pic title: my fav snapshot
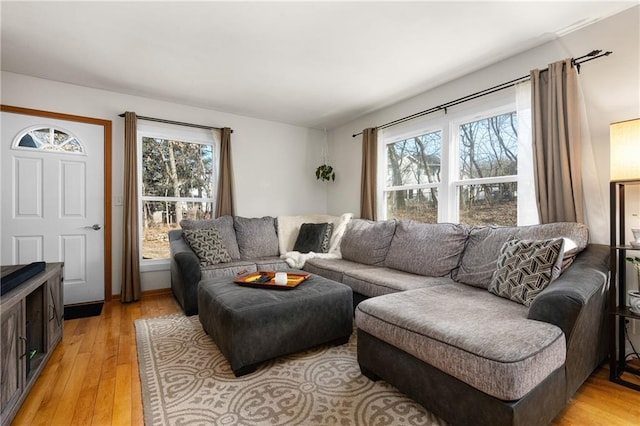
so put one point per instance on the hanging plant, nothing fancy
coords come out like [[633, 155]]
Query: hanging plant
[[325, 172]]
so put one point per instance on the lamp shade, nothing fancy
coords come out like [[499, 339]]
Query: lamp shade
[[625, 149]]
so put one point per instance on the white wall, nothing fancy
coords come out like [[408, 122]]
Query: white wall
[[611, 88], [274, 163]]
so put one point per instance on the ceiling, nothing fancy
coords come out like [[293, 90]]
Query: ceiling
[[312, 64]]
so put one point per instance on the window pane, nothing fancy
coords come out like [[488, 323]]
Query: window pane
[[494, 204], [489, 147], [176, 169], [159, 217], [417, 204], [50, 139], [415, 160]]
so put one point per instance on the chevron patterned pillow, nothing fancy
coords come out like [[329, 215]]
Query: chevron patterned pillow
[[207, 245], [525, 268]]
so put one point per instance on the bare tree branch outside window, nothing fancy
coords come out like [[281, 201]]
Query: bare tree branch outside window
[[173, 170]]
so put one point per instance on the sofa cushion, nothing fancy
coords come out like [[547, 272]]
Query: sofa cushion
[[289, 228], [366, 241], [224, 225], [313, 237], [373, 281], [331, 268], [430, 249], [525, 268], [207, 245], [478, 262], [256, 236], [479, 338]]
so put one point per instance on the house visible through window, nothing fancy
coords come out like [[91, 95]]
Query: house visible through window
[[178, 173], [413, 177], [460, 168]]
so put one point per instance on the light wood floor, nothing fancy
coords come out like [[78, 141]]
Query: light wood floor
[[92, 377]]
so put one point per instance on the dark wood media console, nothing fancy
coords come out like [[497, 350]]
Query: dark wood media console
[[31, 326]]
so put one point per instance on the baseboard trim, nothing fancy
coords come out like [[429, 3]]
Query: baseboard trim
[[148, 293]]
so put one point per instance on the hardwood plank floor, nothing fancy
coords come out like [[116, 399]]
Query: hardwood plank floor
[[92, 377]]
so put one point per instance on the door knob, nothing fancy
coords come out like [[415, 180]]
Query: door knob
[[95, 227]]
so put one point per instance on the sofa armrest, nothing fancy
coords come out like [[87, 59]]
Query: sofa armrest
[[562, 302], [185, 272]]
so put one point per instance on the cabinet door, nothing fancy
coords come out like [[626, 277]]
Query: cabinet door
[[11, 367], [55, 306]]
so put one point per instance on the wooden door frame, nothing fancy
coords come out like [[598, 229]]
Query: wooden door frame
[[107, 126]]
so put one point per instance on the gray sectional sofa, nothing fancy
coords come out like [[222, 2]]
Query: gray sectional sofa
[[428, 324]]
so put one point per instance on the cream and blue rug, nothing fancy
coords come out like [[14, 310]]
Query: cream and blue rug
[[186, 380]]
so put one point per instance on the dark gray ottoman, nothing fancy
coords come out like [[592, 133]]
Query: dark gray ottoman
[[252, 325]]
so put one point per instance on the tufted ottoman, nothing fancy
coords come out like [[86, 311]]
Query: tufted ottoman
[[252, 325]]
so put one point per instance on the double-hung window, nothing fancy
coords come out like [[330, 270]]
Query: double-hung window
[[177, 180], [485, 170], [460, 167]]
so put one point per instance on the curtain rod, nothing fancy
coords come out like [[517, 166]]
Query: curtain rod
[[177, 123], [594, 54]]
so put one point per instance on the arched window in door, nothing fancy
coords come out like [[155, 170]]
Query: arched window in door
[[48, 139]]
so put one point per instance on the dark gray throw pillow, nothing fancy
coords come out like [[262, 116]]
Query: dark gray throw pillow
[[311, 237]]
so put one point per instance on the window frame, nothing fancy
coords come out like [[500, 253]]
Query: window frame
[[448, 123], [182, 134]]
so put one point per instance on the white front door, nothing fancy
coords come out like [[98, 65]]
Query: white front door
[[53, 199]]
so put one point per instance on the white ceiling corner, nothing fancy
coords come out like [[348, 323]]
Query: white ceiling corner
[[312, 64]]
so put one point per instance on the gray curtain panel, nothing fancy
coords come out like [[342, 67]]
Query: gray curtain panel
[[368, 180], [130, 290], [224, 202], [557, 140]]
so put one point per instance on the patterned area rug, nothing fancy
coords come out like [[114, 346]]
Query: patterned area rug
[[187, 380]]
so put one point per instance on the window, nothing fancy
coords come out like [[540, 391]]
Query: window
[[48, 139], [461, 167], [177, 181], [413, 177], [488, 170]]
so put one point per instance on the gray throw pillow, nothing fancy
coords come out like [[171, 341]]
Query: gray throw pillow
[[311, 238], [256, 237], [207, 245], [525, 268], [224, 226]]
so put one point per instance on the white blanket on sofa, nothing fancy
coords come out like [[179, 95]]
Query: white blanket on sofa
[[289, 226]]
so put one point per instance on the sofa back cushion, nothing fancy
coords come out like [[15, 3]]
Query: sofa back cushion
[[483, 247], [430, 249], [224, 226], [366, 241], [256, 237]]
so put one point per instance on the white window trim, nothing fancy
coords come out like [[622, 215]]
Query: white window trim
[[186, 134], [495, 104]]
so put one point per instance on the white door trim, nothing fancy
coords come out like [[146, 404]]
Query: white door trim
[[106, 124]]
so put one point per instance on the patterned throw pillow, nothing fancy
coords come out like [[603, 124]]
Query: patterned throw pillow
[[207, 245], [327, 238], [525, 268], [312, 237]]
